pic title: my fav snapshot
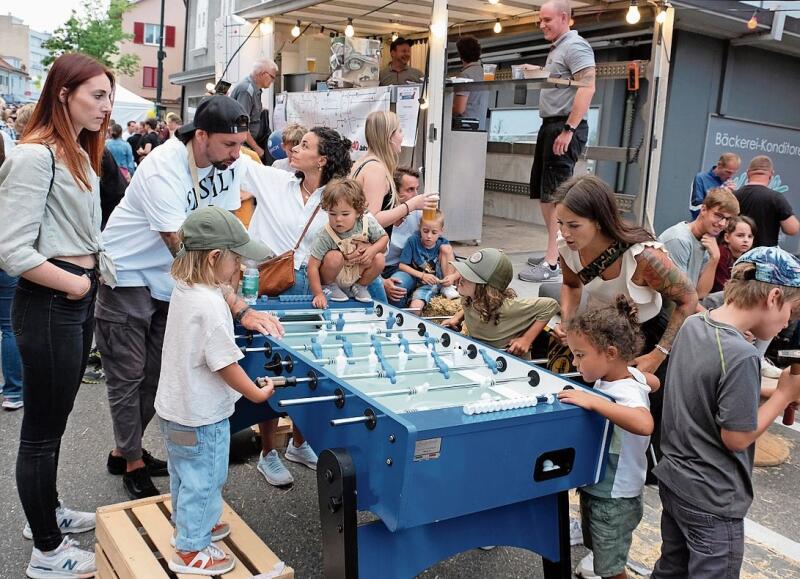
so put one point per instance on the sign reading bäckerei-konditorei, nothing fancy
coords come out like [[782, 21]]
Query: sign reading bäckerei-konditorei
[[748, 140]]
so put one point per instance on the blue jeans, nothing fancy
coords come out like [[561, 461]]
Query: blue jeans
[[405, 280], [197, 458], [302, 287], [12, 365]]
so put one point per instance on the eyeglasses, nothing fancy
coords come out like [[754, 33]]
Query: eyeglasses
[[719, 217]]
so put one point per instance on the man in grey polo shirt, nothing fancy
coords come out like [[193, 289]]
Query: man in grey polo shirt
[[471, 104], [399, 71], [248, 93], [563, 134]]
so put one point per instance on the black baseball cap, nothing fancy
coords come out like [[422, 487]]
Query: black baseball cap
[[218, 114]]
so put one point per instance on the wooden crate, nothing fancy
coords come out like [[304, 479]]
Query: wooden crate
[[283, 434], [133, 543]]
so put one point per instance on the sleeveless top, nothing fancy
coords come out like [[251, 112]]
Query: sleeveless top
[[602, 292], [386, 203]]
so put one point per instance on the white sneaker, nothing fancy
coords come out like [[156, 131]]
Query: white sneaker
[[303, 454], [769, 370], [209, 561], [585, 568], [69, 521], [334, 293], [450, 292], [67, 561], [12, 404], [360, 293]]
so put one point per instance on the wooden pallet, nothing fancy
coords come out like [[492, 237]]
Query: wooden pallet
[[133, 543]]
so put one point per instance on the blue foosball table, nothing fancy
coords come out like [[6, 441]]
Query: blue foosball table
[[429, 443]]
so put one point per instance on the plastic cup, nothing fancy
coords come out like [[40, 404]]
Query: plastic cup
[[429, 213], [311, 64], [516, 72], [489, 71]]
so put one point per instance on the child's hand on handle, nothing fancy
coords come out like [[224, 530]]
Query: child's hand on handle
[[519, 346], [266, 388], [319, 301], [578, 397], [429, 279], [453, 322], [789, 388]]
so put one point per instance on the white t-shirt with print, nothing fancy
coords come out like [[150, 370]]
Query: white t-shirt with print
[[158, 199], [197, 343], [627, 459]]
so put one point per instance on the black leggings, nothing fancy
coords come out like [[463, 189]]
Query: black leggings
[[54, 335]]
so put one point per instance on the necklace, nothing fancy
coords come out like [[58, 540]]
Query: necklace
[[306, 193]]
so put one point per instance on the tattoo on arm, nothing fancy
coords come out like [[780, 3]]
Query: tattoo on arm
[[587, 76], [172, 240], [658, 272]]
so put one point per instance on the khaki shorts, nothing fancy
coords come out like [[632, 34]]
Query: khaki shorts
[[608, 526]]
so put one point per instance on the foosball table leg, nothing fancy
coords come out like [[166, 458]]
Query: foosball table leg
[[336, 487], [562, 569]]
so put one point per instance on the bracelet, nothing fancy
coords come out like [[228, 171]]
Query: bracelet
[[408, 211], [662, 349], [240, 314]]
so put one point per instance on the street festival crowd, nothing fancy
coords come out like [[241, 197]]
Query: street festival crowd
[[126, 245]]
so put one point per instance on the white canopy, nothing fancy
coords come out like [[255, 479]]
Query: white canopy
[[129, 106]]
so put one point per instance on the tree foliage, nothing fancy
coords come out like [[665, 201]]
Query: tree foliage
[[96, 31]]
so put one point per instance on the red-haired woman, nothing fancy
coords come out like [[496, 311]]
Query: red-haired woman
[[49, 184]]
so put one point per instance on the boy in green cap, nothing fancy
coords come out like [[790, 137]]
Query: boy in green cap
[[200, 382], [492, 312]]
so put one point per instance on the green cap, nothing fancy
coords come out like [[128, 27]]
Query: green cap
[[488, 266], [216, 228]]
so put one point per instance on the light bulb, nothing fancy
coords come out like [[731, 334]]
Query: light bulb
[[439, 30], [210, 86], [752, 24], [395, 36], [267, 27], [423, 104], [633, 16], [296, 30], [498, 28], [493, 2], [662, 16], [349, 31]]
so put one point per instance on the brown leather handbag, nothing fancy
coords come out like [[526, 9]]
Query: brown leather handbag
[[276, 275]]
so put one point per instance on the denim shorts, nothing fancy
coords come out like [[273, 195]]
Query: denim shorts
[[608, 526], [426, 292]]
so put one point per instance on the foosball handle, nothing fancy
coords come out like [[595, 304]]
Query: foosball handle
[[788, 414]]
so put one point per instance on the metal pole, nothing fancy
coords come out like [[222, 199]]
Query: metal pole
[[160, 71]]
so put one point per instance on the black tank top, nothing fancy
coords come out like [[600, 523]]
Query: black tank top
[[386, 204]]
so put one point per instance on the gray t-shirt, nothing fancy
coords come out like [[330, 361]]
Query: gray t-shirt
[[477, 100], [569, 55], [685, 250], [325, 243], [388, 76], [249, 96], [713, 382]]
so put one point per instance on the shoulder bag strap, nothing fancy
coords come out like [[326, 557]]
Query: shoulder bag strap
[[53, 168], [305, 230], [603, 261]]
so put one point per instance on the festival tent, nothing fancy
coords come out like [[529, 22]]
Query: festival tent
[[130, 107]]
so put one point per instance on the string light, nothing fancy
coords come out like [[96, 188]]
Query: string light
[[266, 25], [349, 31], [494, 2], [752, 24], [661, 18], [439, 29], [498, 28], [633, 16], [395, 36], [296, 30]]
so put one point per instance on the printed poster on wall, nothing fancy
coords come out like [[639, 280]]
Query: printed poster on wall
[[345, 110], [748, 140], [407, 109]]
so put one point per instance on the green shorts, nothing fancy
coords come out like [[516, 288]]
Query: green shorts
[[608, 526]]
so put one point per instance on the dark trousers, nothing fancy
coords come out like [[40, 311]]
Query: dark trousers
[[550, 170], [130, 335], [53, 335], [697, 544]]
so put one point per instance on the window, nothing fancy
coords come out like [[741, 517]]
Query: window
[[151, 34], [520, 125], [201, 24], [149, 74]]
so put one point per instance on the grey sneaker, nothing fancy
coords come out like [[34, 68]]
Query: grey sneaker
[[69, 521], [532, 261], [274, 470], [541, 273], [335, 293], [360, 293], [303, 454]]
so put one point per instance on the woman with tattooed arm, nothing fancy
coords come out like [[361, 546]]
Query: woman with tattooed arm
[[605, 256]]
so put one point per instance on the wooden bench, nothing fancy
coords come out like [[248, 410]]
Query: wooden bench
[[133, 543]]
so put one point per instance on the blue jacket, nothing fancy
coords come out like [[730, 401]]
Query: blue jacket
[[702, 184], [122, 153]]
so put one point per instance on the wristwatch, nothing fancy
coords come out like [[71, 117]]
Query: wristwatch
[[569, 128], [240, 314]]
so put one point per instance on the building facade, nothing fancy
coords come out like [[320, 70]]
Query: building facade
[[37, 70], [13, 81], [142, 21]]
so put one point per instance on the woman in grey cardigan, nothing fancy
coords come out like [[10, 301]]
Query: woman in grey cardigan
[[49, 183]]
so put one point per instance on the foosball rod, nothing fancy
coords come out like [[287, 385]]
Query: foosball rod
[[377, 332], [318, 312], [411, 371]]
